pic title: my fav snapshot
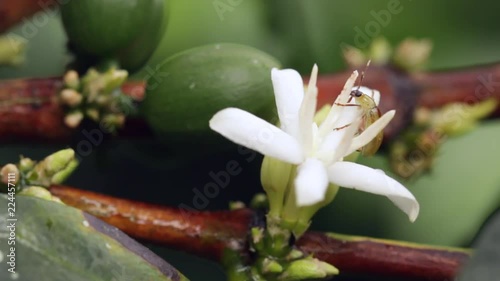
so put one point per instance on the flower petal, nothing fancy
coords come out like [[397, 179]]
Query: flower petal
[[371, 132], [347, 116], [336, 143], [345, 94], [289, 93], [355, 176], [311, 182], [307, 111], [329, 123], [249, 130]]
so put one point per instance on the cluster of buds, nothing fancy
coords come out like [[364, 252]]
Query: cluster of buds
[[291, 264], [54, 169], [278, 260], [414, 151], [97, 96], [410, 55]]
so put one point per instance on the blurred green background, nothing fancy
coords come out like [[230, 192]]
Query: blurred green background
[[462, 190]]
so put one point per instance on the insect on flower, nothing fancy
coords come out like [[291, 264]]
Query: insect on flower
[[365, 99], [311, 155]]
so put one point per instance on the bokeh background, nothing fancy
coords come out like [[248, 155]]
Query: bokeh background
[[456, 197]]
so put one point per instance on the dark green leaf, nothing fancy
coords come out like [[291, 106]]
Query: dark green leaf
[[56, 242], [485, 264]]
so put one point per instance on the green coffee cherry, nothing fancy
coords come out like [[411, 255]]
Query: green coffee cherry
[[128, 31], [187, 89]]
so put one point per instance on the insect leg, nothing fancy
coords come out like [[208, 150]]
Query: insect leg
[[346, 104], [342, 127]]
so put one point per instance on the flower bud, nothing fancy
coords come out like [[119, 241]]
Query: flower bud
[[71, 80], [58, 161], [93, 114], [353, 56], [71, 97], [54, 169], [308, 268], [270, 266], [114, 121], [7, 172], [113, 79], [380, 51], [73, 119], [412, 53], [26, 164]]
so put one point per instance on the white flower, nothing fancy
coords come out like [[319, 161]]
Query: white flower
[[318, 151]]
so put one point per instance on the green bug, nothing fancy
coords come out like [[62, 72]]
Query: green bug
[[365, 99], [371, 113]]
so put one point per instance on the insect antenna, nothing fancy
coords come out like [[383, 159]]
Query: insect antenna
[[357, 93], [362, 77]]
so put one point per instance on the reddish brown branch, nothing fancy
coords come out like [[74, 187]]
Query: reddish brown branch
[[30, 110], [202, 233], [398, 92], [209, 233], [385, 258], [403, 93], [434, 89], [467, 85]]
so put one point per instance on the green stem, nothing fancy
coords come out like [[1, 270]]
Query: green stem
[[277, 238], [235, 269], [107, 64], [306, 213], [275, 176], [290, 213]]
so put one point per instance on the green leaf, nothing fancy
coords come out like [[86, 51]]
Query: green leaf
[[55, 242], [455, 197], [192, 24], [486, 260]]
